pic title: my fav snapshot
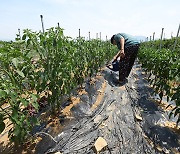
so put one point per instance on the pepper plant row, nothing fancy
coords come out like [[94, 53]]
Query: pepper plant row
[[41, 68], [164, 69]]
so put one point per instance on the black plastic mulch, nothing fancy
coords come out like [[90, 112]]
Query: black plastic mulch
[[115, 119]]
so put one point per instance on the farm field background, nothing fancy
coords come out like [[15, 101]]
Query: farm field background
[[40, 70]]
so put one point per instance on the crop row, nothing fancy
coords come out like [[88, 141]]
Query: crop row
[[39, 69], [163, 66]]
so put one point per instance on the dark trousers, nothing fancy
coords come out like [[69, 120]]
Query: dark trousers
[[127, 62]]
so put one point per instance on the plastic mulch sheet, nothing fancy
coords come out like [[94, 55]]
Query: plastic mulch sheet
[[123, 116]]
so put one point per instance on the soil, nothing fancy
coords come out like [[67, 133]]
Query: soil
[[128, 118]]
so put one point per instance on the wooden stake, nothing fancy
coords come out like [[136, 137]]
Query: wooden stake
[[96, 35], [42, 22], [89, 36], [79, 33], [153, 35], [19, 33], [161, 39], [176, 38]]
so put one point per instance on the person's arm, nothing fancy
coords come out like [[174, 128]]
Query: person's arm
[[121, 51]]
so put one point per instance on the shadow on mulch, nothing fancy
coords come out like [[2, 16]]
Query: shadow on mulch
[[111, 77]]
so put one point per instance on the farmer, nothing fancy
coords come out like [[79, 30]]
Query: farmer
[[128, 48]]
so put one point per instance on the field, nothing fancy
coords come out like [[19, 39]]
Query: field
[[41, 71]]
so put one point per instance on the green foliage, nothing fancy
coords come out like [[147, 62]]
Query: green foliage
[[16, 73], [40, 63], [164, 65]]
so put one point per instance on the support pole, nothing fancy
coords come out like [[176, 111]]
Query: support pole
[[161, 39], [96, 35], [79, 33], [89, 36], [176, 38], [19, 33], [42, 22], [153, 35]]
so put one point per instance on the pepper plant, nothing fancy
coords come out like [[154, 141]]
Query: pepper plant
[[40, 66], [16, 96], [164, 64]]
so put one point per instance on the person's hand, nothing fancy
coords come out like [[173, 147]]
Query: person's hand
[[122, 54], [114, 59]]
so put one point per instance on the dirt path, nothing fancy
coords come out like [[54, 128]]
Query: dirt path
[[124, 116]]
